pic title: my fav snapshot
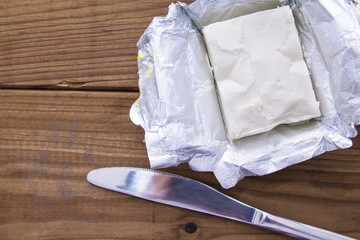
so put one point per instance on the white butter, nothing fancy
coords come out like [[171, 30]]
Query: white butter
[[260, 72]]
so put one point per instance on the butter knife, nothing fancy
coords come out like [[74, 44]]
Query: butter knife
[[187, 193]]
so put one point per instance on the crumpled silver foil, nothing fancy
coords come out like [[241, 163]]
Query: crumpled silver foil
[[178, 105]]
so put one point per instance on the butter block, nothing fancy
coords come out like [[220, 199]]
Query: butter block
[[260, 73]]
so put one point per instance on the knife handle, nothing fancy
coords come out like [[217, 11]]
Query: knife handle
[[293, 228]]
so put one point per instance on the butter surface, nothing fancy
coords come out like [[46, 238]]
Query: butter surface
[[260, 72]]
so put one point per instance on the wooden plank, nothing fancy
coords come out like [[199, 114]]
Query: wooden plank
[[50, 140], [73, 44]]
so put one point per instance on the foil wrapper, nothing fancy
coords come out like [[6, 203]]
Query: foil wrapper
[[178, 105]]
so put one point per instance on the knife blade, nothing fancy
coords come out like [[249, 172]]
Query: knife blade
[[187, 193]]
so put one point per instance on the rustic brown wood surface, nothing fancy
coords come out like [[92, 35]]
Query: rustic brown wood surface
[[51, 138], [88, 44]]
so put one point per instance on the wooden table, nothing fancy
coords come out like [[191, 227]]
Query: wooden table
[[68, 76]]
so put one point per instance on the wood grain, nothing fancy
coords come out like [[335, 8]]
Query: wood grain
[[49, 140], [64, 44]]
